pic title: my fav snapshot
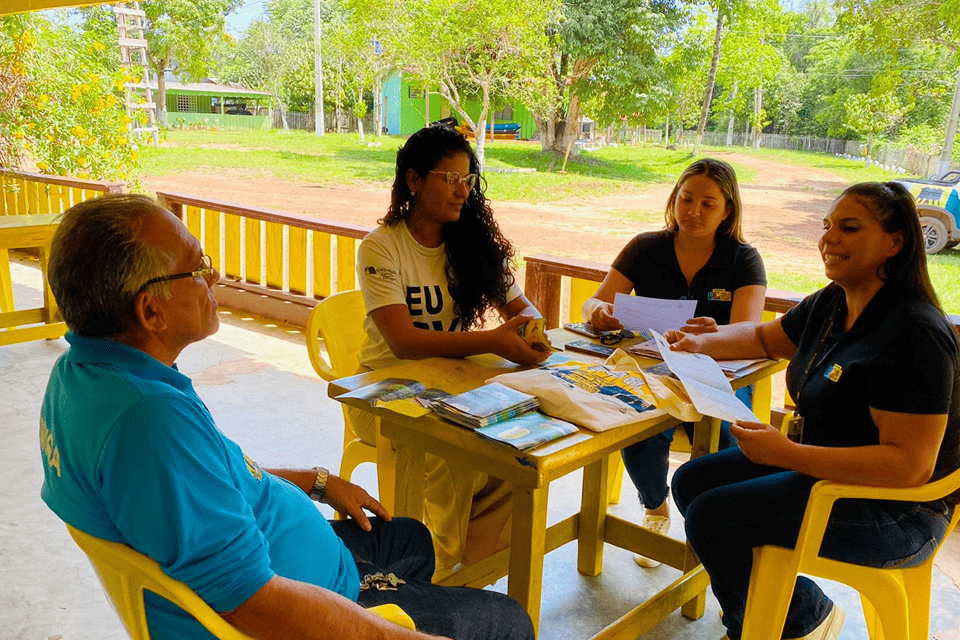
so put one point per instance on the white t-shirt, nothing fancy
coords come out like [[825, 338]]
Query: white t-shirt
[[393, 268]]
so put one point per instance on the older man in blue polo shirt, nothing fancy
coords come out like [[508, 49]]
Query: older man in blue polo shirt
[[132, 455]]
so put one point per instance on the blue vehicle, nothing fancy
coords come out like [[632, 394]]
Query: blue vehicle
[[938, 204]]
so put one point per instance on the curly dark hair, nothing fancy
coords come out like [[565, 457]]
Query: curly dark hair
[[893, 206], [479, 257]]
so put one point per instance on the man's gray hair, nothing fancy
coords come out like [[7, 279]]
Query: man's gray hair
[[99, 262]]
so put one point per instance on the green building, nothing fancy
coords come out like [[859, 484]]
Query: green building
[[407, 108], [212, 104]]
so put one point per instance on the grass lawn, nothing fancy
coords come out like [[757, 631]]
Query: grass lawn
[[337, 159]]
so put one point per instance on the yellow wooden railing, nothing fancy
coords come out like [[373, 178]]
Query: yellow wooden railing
[[272, 263], [24, 193]]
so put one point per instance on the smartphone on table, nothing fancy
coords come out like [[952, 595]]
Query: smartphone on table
[[584, 329]]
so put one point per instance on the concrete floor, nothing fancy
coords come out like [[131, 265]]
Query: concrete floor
[[257, 381]]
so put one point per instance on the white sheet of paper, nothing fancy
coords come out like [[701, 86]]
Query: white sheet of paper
[[709, 390], [637, 312]]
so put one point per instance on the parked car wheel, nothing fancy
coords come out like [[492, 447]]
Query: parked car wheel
[[935, 236]]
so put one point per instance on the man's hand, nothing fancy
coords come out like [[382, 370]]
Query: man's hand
[[350, 499], [761, 443], [510, 345]]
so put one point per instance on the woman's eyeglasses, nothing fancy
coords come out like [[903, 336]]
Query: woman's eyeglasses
[[454, 179], [205, 271]]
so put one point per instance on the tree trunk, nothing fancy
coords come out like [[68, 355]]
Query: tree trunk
[[947, 155], [360, 128], [666, 130], [378, 105], [757, 116], [736, 89], [711, 80], [161, 72]]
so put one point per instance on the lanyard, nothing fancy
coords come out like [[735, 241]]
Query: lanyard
[[817, 359]]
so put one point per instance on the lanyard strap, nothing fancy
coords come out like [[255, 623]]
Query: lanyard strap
[[816, 360]]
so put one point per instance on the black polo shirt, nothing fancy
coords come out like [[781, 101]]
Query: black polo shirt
[[649, 261], [900, 355]]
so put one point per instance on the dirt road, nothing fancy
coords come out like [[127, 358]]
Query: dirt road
[[783, 209]]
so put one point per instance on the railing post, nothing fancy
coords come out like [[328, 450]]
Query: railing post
[[543, 291]]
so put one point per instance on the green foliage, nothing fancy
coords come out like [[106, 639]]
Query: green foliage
[[69, 117]]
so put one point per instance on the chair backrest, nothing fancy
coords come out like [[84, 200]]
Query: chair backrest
[[126, 573], [338, 321]]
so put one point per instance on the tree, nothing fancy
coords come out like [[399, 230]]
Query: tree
[[185, 32], [726, 11], [873, 114], [933, 21], [276, 55], [64, 104], [588, 40], [485, 52]]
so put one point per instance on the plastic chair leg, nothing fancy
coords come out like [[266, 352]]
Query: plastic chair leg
[[769, 593]]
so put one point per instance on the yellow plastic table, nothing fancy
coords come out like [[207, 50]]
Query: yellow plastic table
[[530, 473], [27, 232]]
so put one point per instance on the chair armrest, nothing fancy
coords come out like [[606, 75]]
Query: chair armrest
[[824, 493], [312, 334]]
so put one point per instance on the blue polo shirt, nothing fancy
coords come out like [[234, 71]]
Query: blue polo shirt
[[132, 455], [649, 261]]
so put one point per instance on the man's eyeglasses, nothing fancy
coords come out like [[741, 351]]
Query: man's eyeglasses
[[205, 271], [614, 338], [454, 179]]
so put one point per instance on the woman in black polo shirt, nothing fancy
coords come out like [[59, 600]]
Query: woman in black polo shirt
[[875, 373], [700, 255]]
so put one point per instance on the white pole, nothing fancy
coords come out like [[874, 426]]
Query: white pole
[[318, 124]]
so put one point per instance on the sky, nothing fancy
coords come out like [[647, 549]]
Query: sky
[[239, 20]]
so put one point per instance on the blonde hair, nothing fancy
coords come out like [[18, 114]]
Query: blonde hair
[[726, 179]]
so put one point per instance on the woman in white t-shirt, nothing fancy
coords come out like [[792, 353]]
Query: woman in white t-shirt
[[430, 273]]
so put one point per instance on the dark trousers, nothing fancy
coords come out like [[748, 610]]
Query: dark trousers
[[404, 547], [732, 505]]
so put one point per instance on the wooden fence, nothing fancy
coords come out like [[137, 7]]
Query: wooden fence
[[272, 263], [23, 193]]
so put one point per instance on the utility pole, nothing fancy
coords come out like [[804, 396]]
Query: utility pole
[[318, 125]]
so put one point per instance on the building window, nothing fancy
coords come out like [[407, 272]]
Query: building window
[[187, 103], [505, 114]]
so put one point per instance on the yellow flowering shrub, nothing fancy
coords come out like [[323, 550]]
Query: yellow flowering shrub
[[68, 115]]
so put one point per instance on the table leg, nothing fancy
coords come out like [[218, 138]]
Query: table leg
[[408, 480], [527, 547], [6, 284], [593, 511], [706, 439], [763, 398]]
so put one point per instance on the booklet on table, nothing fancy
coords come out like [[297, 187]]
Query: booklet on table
[[528, 430], [485, 405]]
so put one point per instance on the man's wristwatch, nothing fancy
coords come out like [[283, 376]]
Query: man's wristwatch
[[319, 489]]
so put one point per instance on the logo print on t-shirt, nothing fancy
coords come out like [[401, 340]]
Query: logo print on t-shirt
[[253, 468], [379, 272], [428, 301]]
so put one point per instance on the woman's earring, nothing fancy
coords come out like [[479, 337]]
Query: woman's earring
[[413, 192]]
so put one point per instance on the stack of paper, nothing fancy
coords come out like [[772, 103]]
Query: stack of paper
[[486, 405]]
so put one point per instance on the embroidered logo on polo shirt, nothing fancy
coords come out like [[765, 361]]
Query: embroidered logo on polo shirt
[[253, 468], [834, 373], [720, 295], [379, 272]]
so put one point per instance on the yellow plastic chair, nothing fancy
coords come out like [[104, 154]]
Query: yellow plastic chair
[[896, 602], [125, 574], [338, 321]]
